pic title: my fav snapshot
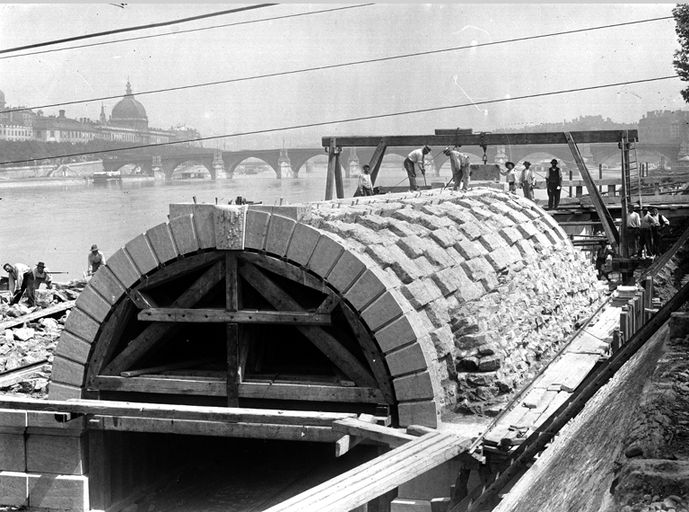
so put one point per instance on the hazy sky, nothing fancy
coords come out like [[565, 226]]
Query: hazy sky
[[477, 74]]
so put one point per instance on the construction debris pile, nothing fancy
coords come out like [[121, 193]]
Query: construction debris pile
[[489, 279], [30, 343]]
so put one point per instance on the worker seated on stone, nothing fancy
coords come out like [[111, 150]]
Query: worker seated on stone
[[32, 280], [95, 260], [15, 275]]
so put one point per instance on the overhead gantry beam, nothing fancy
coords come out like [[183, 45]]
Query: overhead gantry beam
[[451, 137]]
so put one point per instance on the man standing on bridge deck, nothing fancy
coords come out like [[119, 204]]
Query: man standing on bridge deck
[[528, 180], [553, 179], [633, 231], [414, 161]]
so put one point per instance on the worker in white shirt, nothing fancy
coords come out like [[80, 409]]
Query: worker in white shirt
[[633, 230], [365, 186], [528, 180], [415, 162]]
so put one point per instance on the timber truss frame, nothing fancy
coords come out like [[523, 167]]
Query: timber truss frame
[[328, 323], [449, 137]]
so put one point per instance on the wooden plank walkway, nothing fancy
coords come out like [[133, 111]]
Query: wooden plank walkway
[[557, 383], [50, 310], [366, 482]]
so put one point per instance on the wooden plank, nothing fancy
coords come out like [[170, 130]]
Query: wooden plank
[[374, 358], [344, 444], [15, 375], [286, 432], [41, 313], [210, 386], [339, 186], [377, 160], [329, 304], [168, 411], [362, 484], [291, 272], [153, 334], [332, 162], [232, 330], [246, 316], [490, 139], [165, 367], [385, 435], [174, 270], [324, 341]]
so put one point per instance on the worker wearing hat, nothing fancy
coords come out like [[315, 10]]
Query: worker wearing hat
[[510, 176], [459, 164], [31, 282], [528, 180], [553, 180], [415, 162], [95, 260]]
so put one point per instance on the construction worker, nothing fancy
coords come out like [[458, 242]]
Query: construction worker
[[414, 161], [459, 164], [95, 260], [365, 186], [660, 226], [31, 282], [15, 275], [528, 180], [510, 176], [633, 231], [553, 180]]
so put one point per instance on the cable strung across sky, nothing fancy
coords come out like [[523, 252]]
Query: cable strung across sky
[[135, 28], [348, 120], [187, 31], [340, 65]]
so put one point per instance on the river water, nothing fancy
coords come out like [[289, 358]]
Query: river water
[[57, 220]]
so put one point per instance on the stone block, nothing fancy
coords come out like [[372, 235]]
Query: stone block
[[204, 225], [384, 309], [445, 237], [13, 487], [123, 268], [471, 231], [162, 243], [477, 269], [517, 216], [363, 234], [141, 254], [406, 360], [93, 304], [12, 453], [511, 235], [37, 421], [345, 272], [549, 234], [82, 325], [72, 347], [280, 232], [527, 229], [367, 288], [443, 340], [374, 222], [400, 228], [60, 492], [437, 312], [420, 292], [302, 244], [446, 281], [437, 256], [105, 283], [469, 249], [408, 270], [58, 391], [526, 249], [489, 363], [413, 246], [67, 371], [325, 255], [255, 230], [468, 290], [59, 455], [492, 241], [416, 386], [460, 216], [503, 258], [228, 224], [409, 215], [402, 331], [182, 229], [10, 418], [552, 223], [482, 214], [418, 413], [291, 212]]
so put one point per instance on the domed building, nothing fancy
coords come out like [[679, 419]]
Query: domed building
[[129, 113]]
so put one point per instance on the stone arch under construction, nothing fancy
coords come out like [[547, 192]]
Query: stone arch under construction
[[408, 299]]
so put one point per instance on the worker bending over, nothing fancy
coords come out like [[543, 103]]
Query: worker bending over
[[95, 260], [414, 162], [31, 281]]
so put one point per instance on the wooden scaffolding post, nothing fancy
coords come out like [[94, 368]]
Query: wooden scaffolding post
[[330, 179], [377, 160], [624, 196], [232, 329]]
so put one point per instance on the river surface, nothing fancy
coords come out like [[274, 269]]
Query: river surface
[[57, 220]]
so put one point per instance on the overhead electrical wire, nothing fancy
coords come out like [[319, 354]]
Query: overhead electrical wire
[[331, 66], [138, 27], [178, 32], [348, 120]]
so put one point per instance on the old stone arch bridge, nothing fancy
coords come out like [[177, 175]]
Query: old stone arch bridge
[[169, 159]]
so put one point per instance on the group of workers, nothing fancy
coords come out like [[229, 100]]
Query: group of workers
[[415, 165], [24, 281], [645, 231], [527, 181]]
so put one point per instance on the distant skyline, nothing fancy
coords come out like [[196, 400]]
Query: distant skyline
[[477, 74]]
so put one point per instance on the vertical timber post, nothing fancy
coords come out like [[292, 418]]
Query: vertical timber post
[[330, 178], [624, 200], [377, 160], [232, 304], [339, 186]]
